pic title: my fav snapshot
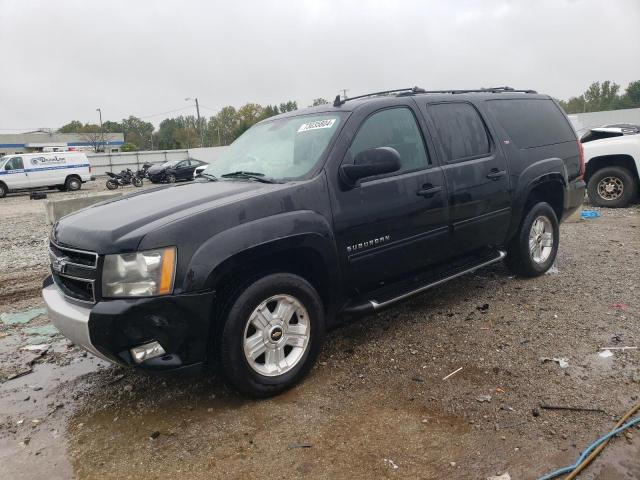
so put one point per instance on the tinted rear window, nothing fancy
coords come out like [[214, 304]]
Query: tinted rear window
[[532, 123], [461, 130]]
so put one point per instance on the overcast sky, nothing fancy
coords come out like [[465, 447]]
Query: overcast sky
[[62, 59]]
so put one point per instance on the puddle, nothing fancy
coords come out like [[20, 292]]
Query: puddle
[[21, 317], [33, 413]]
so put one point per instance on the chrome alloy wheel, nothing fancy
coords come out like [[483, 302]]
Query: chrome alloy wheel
[[610, 188], [276, 335], [541, 239]]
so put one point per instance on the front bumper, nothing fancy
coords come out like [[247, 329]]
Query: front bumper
[[110, 328]]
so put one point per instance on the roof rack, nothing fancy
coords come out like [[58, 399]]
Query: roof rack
[[403, 92]]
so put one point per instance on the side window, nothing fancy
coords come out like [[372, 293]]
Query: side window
[[461, 130], [182, 164], [14, 164], [396, 128]]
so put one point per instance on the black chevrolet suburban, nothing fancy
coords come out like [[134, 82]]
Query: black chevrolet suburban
[[311, 217]]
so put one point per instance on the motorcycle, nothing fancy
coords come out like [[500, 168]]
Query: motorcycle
[[144, 171], [125, 177]]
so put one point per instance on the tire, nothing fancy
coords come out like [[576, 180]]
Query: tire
[[73, 184], [283, 351], [534, 261], [3, 190], [612, 187], [112, 184], [171, 178], [137, 182]]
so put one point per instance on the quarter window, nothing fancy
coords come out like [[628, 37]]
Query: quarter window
[[461, 131], [396, 128]]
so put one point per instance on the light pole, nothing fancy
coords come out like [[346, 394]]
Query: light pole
[[199, 123], [101, 130]]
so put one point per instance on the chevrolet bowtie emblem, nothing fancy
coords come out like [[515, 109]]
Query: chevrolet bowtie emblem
[[58, 264]]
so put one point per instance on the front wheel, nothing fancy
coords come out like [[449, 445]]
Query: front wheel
[[72, 184], [137, 182], [272, 336], [535, 246], [171, 178], [612, 187], [112, 184], [3, 190]]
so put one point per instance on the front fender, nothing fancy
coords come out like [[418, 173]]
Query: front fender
[[233, 248]]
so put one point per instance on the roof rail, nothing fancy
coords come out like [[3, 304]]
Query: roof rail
[[417, 90]]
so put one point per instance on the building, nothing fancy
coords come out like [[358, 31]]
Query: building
[[57, 142], [584, 121]]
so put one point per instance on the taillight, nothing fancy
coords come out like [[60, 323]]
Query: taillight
[[582, 164]]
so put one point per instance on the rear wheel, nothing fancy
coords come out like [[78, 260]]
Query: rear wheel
[[3, 190], [112, 184], [612, 187], [272, 336], [72, 184], [534, 248], [137, 182]]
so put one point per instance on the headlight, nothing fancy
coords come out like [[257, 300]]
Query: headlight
[[139, 274]]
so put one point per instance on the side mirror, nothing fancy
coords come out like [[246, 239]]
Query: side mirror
[[369, 163]]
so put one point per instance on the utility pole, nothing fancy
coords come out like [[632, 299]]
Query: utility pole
[[101, 130], [199, 123]]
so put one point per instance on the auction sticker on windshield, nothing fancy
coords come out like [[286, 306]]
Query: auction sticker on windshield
[[328, 123]]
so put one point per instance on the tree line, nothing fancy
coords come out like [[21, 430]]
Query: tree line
[[604, 96], [229, 123], [183, 131]]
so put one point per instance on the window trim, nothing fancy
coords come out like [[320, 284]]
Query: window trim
[[429, 164], [492, 143]]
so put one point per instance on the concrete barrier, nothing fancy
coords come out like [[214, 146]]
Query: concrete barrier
[[56, 209]]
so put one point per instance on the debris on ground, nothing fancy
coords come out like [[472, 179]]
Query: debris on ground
[[589, 214], [21, 317], [452, 373], [300, 445], [562, 362], [391, 462], [605, 354], [42, 330], [577, 409], [504, 476], [483, 398], [552, 270], [618, 348], [36, 348], [154, 435]]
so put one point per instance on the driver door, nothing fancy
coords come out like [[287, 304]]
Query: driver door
[[392, 224], [16, 176]]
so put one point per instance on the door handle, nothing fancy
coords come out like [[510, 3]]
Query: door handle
[[495, 174], [429, 191]]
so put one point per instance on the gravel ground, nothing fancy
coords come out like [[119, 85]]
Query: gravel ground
[[375, 406]]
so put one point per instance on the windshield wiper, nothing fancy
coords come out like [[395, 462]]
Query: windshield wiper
[[252, 175]]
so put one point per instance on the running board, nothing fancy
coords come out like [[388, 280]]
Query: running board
[[373, 304]]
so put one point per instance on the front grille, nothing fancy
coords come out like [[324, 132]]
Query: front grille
[[74, 271]]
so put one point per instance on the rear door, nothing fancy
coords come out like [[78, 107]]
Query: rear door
[[392, 224], [14, 174], [476, 175]]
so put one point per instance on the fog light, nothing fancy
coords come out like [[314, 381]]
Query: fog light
[[147, 351]]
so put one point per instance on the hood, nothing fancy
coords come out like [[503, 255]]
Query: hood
[[119, 225]]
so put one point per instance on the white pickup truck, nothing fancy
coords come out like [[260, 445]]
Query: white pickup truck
[[612, 156]]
